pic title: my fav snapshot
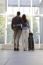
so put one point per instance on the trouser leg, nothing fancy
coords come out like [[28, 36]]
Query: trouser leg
[[18, 37], [15, 34], [25, 39]]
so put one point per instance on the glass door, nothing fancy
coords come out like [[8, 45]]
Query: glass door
[[8, 9], [2, 29], [31, 9], [36, 31]]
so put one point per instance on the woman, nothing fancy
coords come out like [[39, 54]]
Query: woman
[[25, 31]]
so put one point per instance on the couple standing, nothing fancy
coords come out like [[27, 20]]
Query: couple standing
[[18, 25]]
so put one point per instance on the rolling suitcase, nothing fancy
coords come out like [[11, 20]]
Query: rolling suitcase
[[30, 42]]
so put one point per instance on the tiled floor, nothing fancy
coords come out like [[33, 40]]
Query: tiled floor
[[8, 57]]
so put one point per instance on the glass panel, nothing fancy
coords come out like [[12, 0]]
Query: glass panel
[[36, 39], [3, 6], [41, 3], [2, 29], [41, 29], [12, 2], [25, 3], [35, 3], [35, 24], [36, 29], [12, 11], [41, 7], [25, 10], [35, 10], [9, 31], [41, 10]]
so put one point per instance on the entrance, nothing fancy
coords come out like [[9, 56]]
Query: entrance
[[33, 21]]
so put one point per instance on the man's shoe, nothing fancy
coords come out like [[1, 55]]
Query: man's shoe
[[15, 49]]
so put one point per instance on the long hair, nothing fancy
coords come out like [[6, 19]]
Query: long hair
[[24, 18]]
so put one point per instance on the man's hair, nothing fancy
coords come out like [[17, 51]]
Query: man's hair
[[18, 13]]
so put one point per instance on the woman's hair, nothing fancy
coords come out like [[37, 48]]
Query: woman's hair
[[24, 18]]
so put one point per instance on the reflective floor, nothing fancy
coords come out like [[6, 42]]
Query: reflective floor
[[10, 57]]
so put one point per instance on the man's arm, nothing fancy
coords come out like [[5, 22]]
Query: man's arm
[[12, 23]]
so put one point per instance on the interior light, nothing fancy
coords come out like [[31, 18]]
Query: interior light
[[40, 1]]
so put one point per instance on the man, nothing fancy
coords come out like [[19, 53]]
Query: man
[[17, 28]]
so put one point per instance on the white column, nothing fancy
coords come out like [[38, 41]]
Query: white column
[[6, 30], [39, 32], [6, 25], [18, 3], [31, 18]]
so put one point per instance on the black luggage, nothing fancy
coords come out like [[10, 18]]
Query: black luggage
[[30, 42]]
